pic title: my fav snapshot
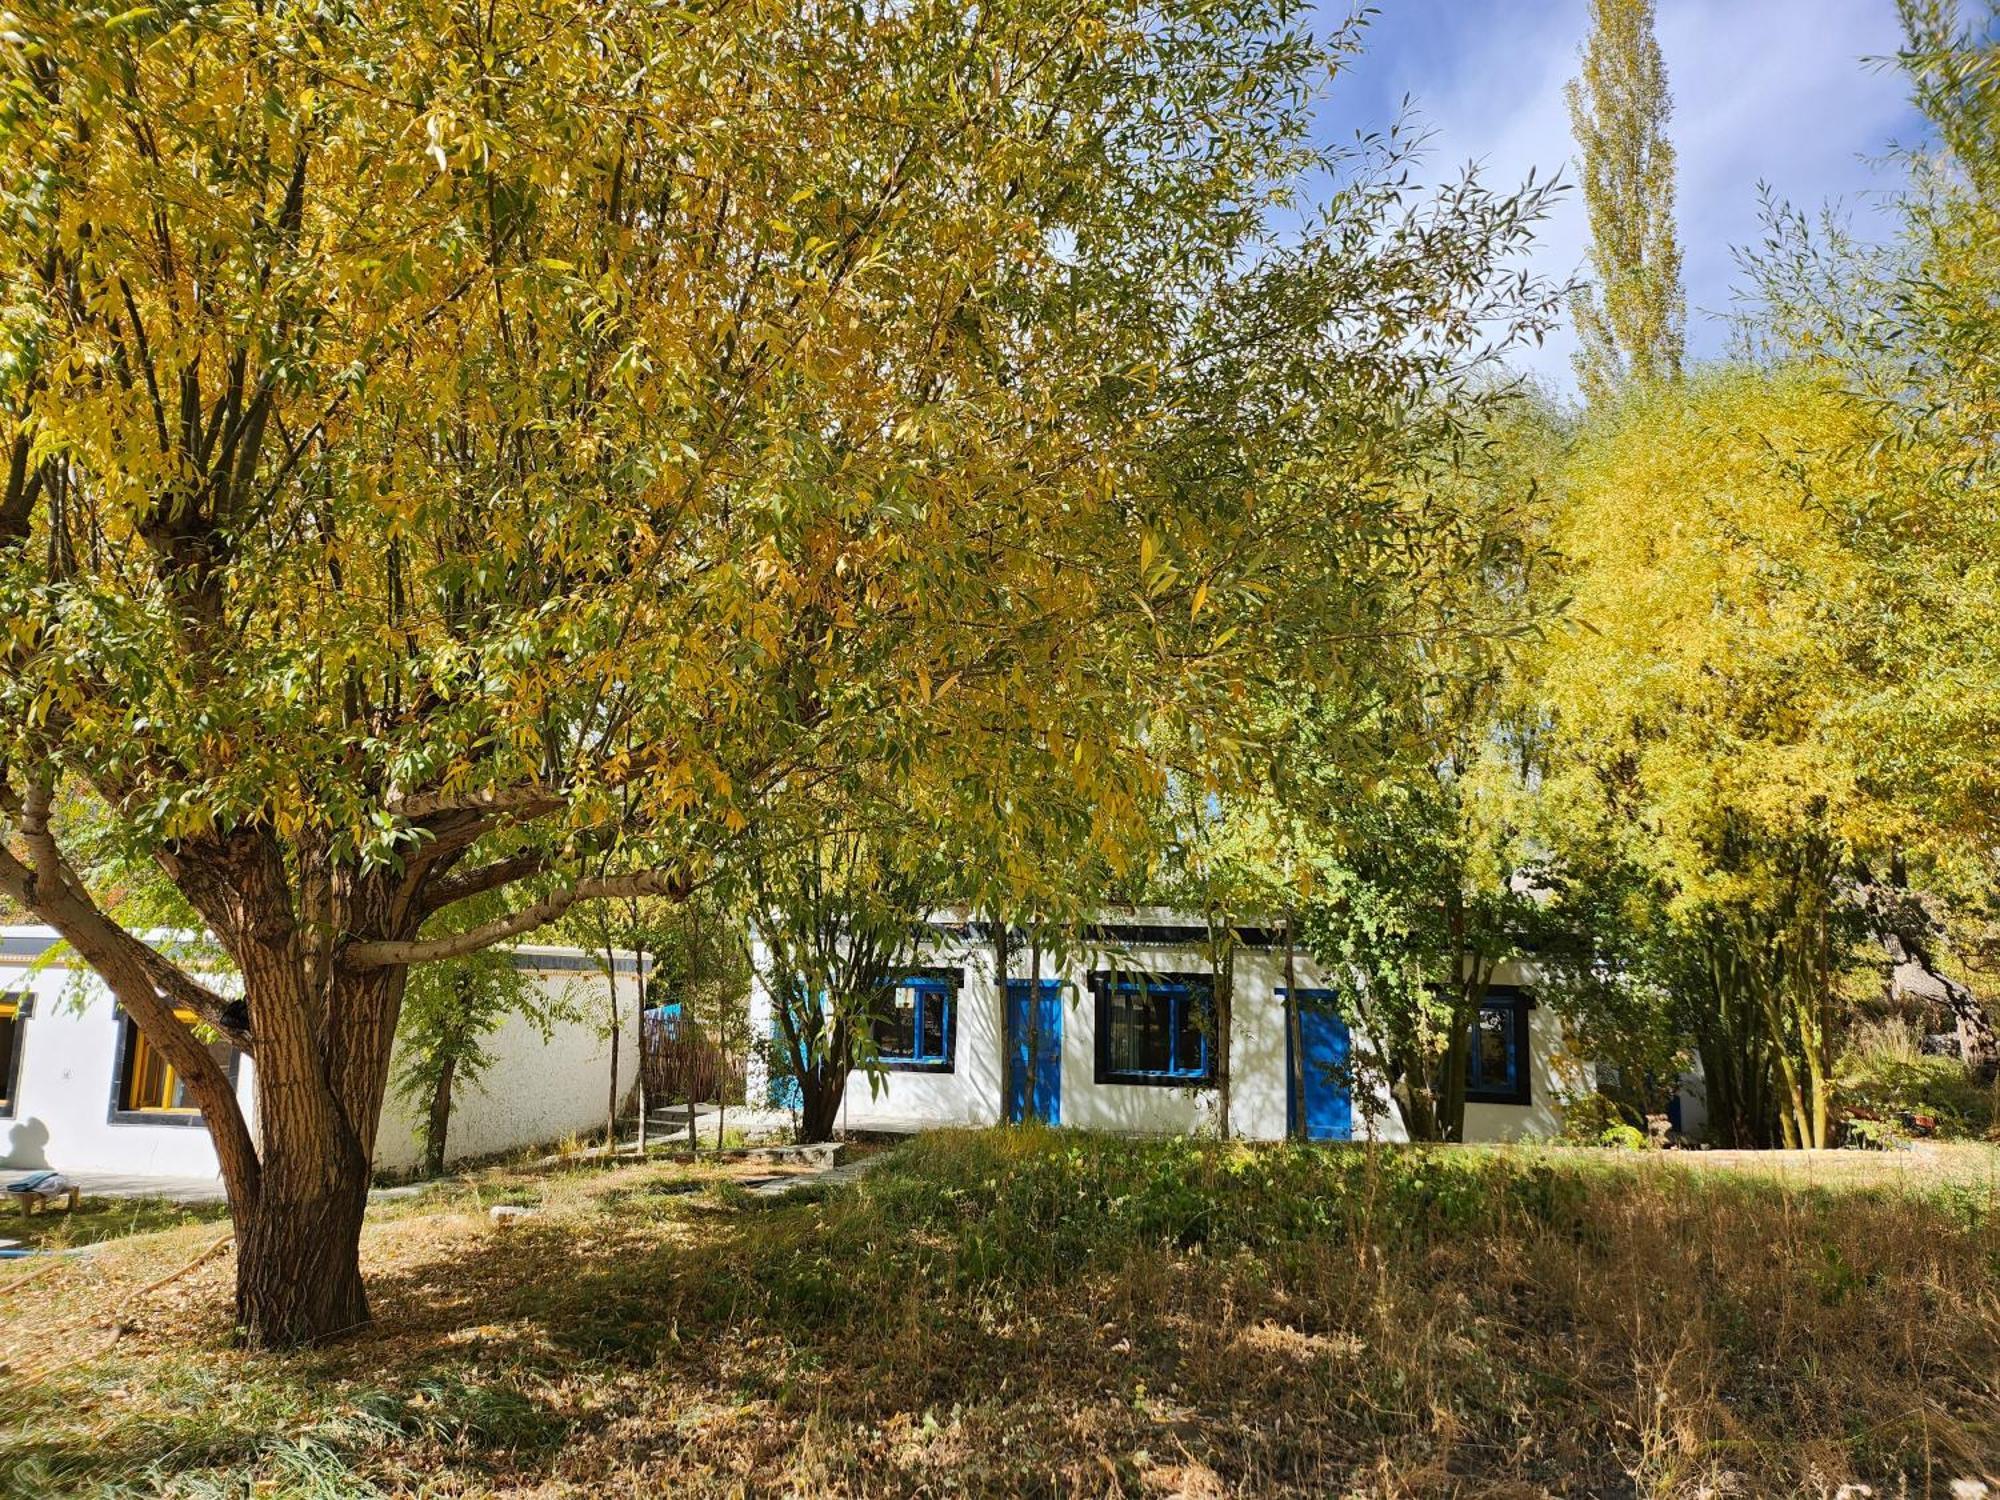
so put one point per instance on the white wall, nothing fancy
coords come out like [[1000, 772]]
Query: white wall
[[972, 1093], [63, 1091], [538, 1091]]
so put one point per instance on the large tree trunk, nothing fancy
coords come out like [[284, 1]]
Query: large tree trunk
[[319, 1103], [319, 1035], [298, 1260], [821, 1090]]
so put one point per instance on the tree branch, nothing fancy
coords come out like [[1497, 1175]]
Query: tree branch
[[526, 796], [133, 971], [489, 877], [674, 884]]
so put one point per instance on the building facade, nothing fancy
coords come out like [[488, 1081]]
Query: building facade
[[1122, 1044]]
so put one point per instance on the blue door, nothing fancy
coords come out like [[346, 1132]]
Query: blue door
[[1329, 1109], [1047, 1103]]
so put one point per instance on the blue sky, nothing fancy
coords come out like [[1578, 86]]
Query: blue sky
[[1778, 90]]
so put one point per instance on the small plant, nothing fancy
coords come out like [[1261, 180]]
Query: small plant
[[1589, 1117], [1870, 1132]]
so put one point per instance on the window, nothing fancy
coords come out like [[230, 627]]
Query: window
[[1496, 1059], [913, 1025], [1152, 1028], [148, 1088], [14, 1012]]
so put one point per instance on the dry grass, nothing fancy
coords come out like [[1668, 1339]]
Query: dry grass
[[1020, 1312]]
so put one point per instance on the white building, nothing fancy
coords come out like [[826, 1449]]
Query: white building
[[81, 1091], [1122, 1049]]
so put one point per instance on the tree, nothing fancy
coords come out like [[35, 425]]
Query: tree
[[448, 1010], [1429, 881], [1700, 710], [1399, 815], [691, 957], [1632, 326], [1906, 330], [615, 934], [836, 917], [429, 431]]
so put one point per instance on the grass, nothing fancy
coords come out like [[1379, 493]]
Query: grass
[[95, 1220], [1011, 1312]]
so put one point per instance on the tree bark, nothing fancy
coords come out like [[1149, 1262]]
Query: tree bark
[[611, 1086], [639, 1038], [822, 1088], [1001, 964], [1296, 1124], [298, 1256], [298, 1259], [440, 1119], [1031, 1104], [1907, 930], [1225, 1006]]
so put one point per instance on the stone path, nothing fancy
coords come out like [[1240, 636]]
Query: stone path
[[778, 1187], [141, 1185]]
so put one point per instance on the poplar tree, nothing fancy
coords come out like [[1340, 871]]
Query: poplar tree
[[1633, 323]]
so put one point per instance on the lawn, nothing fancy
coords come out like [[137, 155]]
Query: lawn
[[1030, 1312], [97, 1219]]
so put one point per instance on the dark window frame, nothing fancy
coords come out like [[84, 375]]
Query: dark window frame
[[1515, 1003], [126, 1027], [1197, 987], [929, 982], [23, 1002]]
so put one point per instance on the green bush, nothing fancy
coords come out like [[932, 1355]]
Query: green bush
[[1587, 1119], [1898, 1085]]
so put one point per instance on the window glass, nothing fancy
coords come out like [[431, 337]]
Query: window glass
[[912, 1025], [147, 1082], [12, 1023], [896, 1026], [1190, 1045], [932, 1040], [1495, 1062], [1493, 1046], [1153, 1027]]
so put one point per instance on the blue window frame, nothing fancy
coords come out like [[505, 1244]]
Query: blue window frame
[[1496, 1054], [1153, 1028], [914, 1025]]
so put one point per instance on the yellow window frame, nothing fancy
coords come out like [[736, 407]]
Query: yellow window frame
[[145, 1056]]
